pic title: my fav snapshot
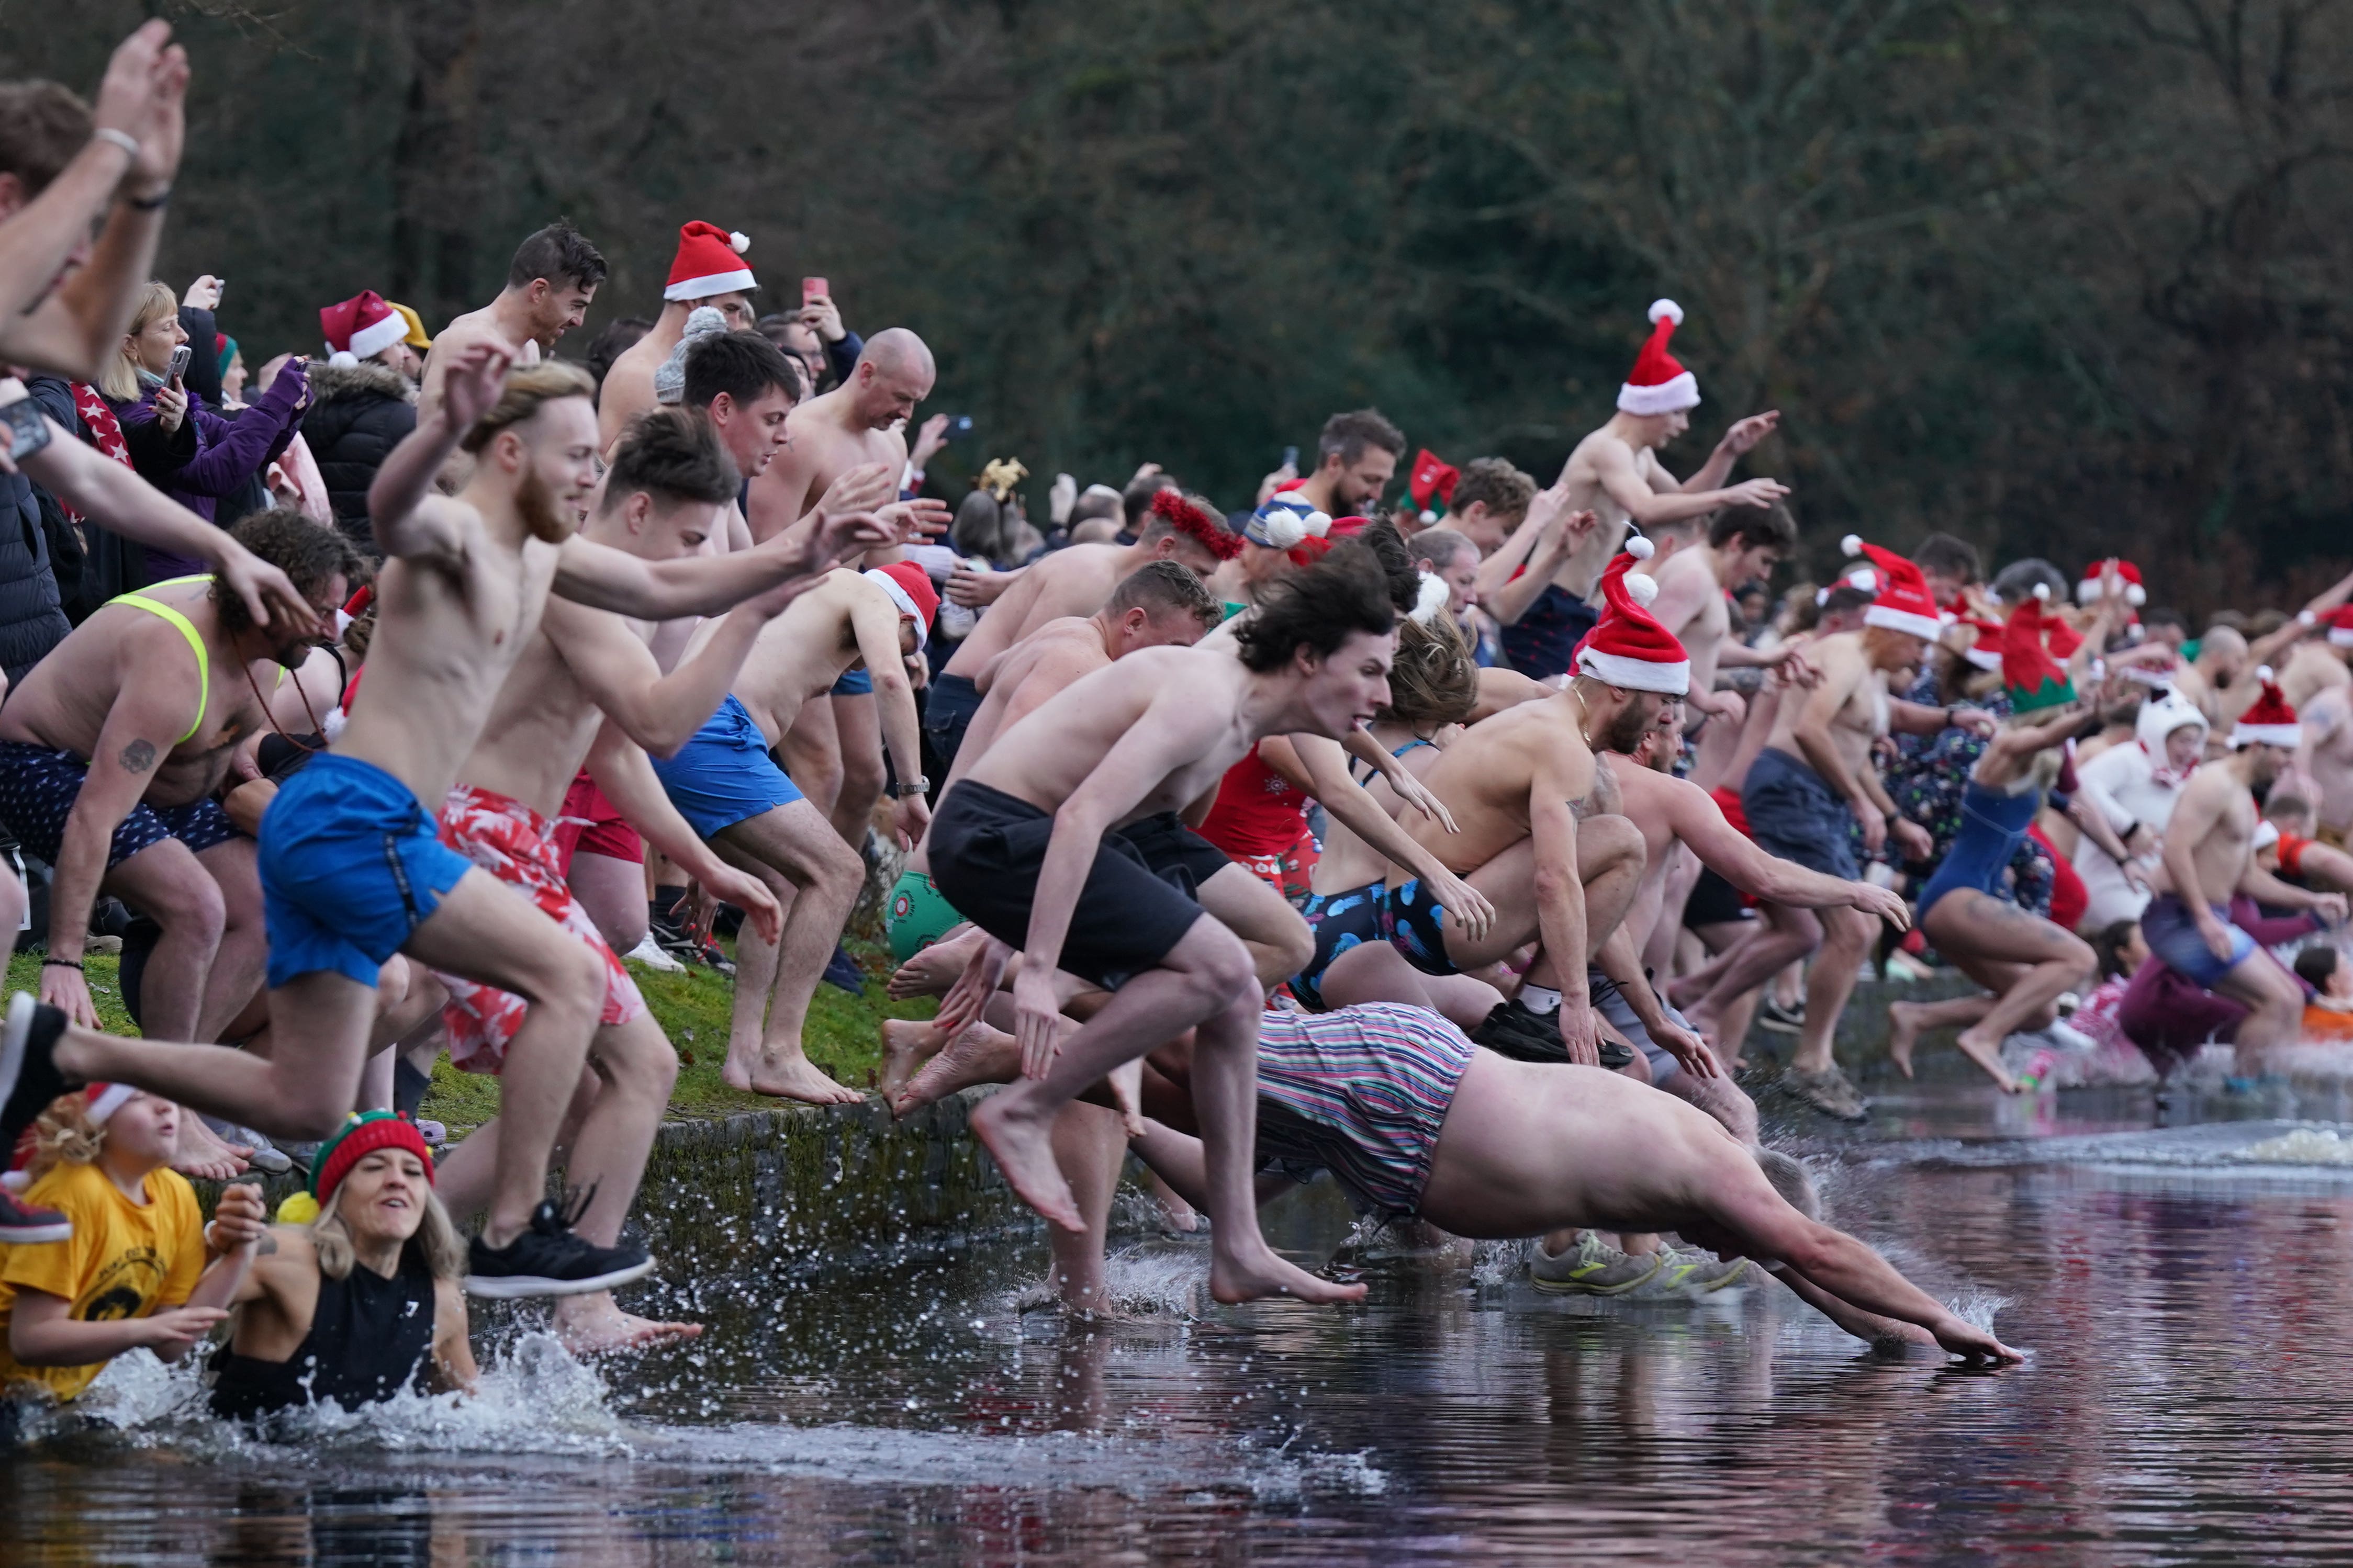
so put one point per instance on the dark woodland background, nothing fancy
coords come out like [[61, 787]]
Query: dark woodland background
[[2071, 270]]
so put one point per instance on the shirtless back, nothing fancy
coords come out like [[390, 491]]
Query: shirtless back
[[1485, 779], [550, 283], [1850, 706], [861, 421], [1074, 583], [803, 652]]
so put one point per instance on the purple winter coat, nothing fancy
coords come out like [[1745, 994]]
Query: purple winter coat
[[210, 456]]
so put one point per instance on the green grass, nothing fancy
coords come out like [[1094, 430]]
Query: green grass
[[843, 1035]]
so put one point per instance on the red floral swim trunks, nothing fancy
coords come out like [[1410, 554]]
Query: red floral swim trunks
[[517, 846]]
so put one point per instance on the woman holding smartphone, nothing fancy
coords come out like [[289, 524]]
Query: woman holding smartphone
[[192, 452]]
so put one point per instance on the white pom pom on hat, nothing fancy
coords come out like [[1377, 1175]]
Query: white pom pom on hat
[[1430, 597], [2306, 618], [1668, 309], [2042, 592], [2136, 596], [2264, 673], [1641, 590], [1851, 545], [738, 241], [1639, 548]]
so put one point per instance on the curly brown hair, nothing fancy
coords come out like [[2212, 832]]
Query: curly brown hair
[[1434, 681]]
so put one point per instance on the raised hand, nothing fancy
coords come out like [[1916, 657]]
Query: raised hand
[[866, 487], [1757, 492], [145, 96], [204, 294], [270, 595], [476, 378], [239, 1219], [1742, 439], [841, 535], [919, 516], [930, 436]]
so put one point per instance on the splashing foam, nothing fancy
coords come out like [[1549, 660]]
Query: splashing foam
[[2303, 1146], [1144, 1281]]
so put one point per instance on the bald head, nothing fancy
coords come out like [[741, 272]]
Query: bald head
[[893, 374]]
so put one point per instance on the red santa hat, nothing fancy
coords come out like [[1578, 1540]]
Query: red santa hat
[[1659, 384], [710, 261], [2087, 588], [1904, 604], [2340, 626], [1626, 648], [1986, 651], [1431, 480], [361, 327], [910, 587], [2268, 721]]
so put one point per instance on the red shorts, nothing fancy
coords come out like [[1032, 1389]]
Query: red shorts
[[591, 822], [515, 844]]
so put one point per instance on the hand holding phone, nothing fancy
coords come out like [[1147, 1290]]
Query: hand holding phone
[[813, 289], [179, 366]]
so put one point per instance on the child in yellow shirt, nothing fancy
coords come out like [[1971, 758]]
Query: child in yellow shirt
[[141, 1268]]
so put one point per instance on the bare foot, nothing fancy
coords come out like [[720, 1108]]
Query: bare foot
[[907, 1044], [1126, 1082], [1902, 1031], [1174, 1208], [1023, 1147], [1258, 1274], [934, 969], [201, 1153], [792, 1077], [592, 1325], [979, 1055], [1988, 1055]]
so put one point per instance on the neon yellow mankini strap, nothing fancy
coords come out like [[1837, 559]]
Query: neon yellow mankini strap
[[188, 630]]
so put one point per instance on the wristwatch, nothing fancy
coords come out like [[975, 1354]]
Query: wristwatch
[[906, 787]]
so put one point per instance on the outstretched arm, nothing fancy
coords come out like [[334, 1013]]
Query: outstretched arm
[[1622, 479], [874, 623], [618, 765], [660, 712], [608, 579], [1315, 764], [1700, 823]]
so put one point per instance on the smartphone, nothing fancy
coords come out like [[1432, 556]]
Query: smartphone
[[28, 430], [1291, 459], [960, 427], [180, 357], [813, 288]]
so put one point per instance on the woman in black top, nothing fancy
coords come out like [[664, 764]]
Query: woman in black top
[[361, 1301]]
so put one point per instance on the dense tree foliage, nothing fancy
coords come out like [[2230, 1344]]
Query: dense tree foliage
[[2072, 271]]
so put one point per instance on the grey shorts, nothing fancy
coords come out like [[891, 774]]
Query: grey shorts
[[1611, 1003]]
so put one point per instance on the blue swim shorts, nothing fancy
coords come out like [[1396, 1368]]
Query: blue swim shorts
[[350, 865], [857, 682], [1793, 814], [2171, 934], [38, 787], [724, 775]]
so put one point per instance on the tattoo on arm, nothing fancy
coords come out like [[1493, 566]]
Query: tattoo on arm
[[138, 756]]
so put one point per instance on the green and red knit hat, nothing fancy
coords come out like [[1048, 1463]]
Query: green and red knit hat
[[362, 1134], [2033, 678]]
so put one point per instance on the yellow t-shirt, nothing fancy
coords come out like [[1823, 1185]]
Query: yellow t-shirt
[[123, 1259]]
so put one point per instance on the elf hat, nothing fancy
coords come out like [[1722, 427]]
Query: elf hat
[[419, 338], [710, 261], [2087, 588], [1986, 651], [2027, 671], [1904, 604], [1431, 480], [1626, 648], [361, 327], [2340, 626], [2270, 722], [910, 587], [363, 1134], [1659, 384]]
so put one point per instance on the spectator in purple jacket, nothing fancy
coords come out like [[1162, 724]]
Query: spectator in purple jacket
[[182, 445]]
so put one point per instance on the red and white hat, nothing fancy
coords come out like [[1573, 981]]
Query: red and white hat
[[1626, 648], [2087, 588], [1659, 384], [1986, 651], [361, 327], [910, 587], [2269, 721], [2340, 626], [1904, 604], [710, 261]]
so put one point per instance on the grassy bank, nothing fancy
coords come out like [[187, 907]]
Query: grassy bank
[[843, 1037]]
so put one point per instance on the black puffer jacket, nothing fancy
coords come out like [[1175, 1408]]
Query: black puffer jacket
[[358, 414]]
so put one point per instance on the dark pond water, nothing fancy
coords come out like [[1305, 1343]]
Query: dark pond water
[[2186, 1305]]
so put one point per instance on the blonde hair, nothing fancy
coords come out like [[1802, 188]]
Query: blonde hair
[[1433, 681], [65, 1135], [527, 390], [435, 1243], [118, 377]]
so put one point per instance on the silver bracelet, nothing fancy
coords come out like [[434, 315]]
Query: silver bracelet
[[122, 139]]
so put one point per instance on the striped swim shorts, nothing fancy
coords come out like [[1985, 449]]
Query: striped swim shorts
[[1361, 1092]]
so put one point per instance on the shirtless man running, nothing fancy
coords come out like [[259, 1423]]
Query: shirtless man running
[[2325, 710], [550, 283], [2209, 856], [1615, 473], [1026, 846], [352, 868], [1743, 543], [709, 269], [1074, 583]]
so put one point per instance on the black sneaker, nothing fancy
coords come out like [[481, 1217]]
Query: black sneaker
[[1780, 1019], [1516, 1030], [21, 1227], [549, 1259], [29, 1079]]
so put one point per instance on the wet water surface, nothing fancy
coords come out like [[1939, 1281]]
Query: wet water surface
[[2184, 1294]]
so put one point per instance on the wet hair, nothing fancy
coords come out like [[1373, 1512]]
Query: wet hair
[[617, 337], [1347, 436], [1440, 546], [674, 456], [43, 126], [1434, 681], [434, 1244], [527, 390], [1396, 559], [1758, 526], [2108, 946], [1318, 609], [1505, 489], [743, 365], [1948, 557], [1163, 587], [2316, 963], [1136, 500], [559, 253], [118, 376], [2014, 583], [310, 553], [1791, 1180]]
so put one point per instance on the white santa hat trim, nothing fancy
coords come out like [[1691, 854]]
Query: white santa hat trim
[[901, 597], [1983, 658], [2266, 835], [372, 340], [1634, 674], [2287, 735], [1926, 627], [2340, 636], [1666, 398], [1433, 595], [736, 282], [102, 1106]]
